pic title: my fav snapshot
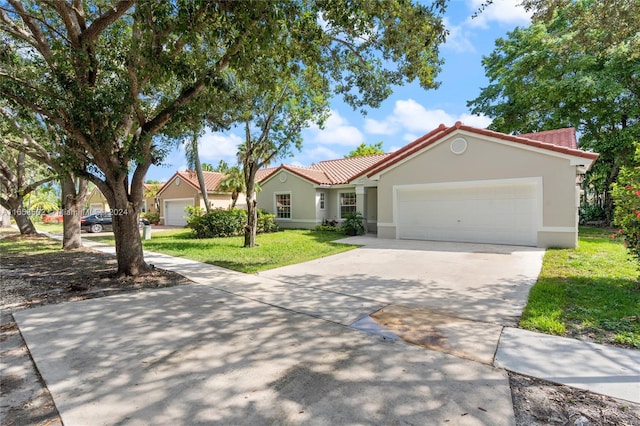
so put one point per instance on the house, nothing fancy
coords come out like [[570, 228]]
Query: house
[[97, 202], [183, 190], [457, 183]]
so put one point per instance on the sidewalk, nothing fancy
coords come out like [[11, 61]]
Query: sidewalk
[[607, 370]]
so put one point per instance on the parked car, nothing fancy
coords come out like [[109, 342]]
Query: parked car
[[53, 217], [101, 222]]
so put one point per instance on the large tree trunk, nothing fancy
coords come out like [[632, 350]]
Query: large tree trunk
[[73, 199], [125, 203], [21, 215], [126, 230]]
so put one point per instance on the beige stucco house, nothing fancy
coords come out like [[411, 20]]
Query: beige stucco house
[[97, 203], [183, 190], [456, 183]]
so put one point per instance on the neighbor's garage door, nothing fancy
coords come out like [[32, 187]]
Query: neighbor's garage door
[[499, 213], [174, 212]]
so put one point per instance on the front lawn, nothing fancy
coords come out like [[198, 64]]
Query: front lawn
[[273, 250], [590, 292]]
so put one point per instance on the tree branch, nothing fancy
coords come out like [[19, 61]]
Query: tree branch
[[108, 18], [41, 43]]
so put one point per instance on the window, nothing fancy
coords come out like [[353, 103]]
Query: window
[[283, 206], [347, 203], [322, 201]]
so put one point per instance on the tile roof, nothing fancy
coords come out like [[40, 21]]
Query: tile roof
[[562, 140], [262, 174], [560, 137], [329, 172], [211, 179]]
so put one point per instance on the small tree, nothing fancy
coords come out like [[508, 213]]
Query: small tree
[[626, 195], [364, 150]]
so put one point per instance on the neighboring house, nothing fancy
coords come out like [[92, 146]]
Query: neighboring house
[[456, 183], [183, 190], [97, 202]]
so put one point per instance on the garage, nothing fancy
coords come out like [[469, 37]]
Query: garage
[[174, 212], [497, 212]]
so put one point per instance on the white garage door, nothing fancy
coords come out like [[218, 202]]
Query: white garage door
[[499, 213], [174, 212]]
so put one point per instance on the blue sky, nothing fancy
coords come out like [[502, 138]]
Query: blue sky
[[407, 114]]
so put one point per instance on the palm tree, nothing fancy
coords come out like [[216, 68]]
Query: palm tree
[[193, 161], [233, 182]]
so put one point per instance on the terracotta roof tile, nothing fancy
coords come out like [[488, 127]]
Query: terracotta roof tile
[[344, 170], [262, 174], [330, 172], [211, 179], [560, 137]]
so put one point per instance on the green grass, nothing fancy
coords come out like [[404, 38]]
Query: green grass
[[591, 291], [273, 250], [52, 228], [27, 245]]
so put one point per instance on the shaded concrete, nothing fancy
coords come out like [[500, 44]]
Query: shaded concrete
[[597, 368], [197, 355]]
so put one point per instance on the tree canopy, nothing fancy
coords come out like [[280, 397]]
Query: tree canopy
[[571, 68], [124, 81], [363, 149]]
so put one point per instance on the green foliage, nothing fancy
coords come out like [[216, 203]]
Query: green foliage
[[592, 213], [328, 226], [152, 217], [266, 222], [576, 66], [626, 194], [124, 83], [364, 150], [353, 224], [218, 223]]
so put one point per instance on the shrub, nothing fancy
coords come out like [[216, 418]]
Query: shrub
[[353, 224], [328, 226], [152, 217], [626, 195], [217, 223], [266, 222]]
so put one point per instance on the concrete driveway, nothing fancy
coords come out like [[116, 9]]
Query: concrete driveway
[[247, 349], [479, 282]]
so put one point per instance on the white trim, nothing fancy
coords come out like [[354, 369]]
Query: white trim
[[275, 205], [557, 229], [322, 199], [537, 181], [300, 220]]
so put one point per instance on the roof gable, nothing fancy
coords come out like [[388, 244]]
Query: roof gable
[[553, 141], [211, 180]]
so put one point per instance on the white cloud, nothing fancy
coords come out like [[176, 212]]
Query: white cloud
[[480, 121], [219, 146], [459, 38], [337, 131], [507, 12], [411, 118]]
